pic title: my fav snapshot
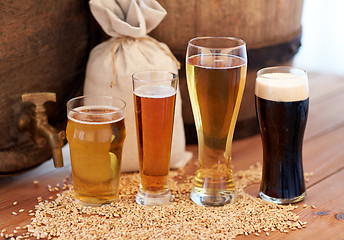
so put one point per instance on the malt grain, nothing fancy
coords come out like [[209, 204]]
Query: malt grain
[[125, 219]]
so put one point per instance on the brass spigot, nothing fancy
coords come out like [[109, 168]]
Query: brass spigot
[[36, 122]]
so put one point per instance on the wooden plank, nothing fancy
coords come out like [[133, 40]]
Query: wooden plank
[[326, 196], [247, 152], [324, 86], [324, 155], [326, 92], [21, 189], [325, 115]]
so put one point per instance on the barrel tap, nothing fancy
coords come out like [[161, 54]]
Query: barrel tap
[[36, 122]]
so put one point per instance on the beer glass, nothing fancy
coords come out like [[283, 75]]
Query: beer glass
[[95, 132], [281, 96], [216, 74], [154, 99]]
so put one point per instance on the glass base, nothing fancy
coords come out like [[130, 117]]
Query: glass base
[[88, 204], [154, 199], [207, 198], [282, 200], [94, 201]]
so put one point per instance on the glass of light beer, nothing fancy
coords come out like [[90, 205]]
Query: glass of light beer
[[95, 132], [282, 96], [154, 99], [216, 74]]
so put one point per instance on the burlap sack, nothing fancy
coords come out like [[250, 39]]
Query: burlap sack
[[112, 63]]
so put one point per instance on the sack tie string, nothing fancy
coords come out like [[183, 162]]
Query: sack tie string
[[119, 40]]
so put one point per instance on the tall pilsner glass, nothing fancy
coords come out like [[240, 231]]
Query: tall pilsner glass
[[154, 98], [216, 74]]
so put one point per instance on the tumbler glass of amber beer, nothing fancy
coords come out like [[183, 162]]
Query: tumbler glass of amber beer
[[282, 96], [216, 75], [95, 132], [154, 99]]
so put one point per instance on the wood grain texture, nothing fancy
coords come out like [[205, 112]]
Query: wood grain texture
[[44, 47], [21, 189], [259, 23], [326, 196]]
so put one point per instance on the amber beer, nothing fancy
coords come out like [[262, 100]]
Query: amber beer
[[216, 84], [96, 134], [282, 99], [154, 109]]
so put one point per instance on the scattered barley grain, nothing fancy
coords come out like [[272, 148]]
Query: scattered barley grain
[[125, 219]]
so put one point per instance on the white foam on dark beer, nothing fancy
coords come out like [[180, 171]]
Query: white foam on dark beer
[[282, 87], [85, 117], [155, 91]]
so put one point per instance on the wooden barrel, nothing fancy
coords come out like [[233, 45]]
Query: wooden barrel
[[271, 29], [44, 48]]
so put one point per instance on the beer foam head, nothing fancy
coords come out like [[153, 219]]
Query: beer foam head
[[96, 115], [155, 91], [282, 87]]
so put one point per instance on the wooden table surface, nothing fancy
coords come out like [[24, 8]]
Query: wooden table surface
[[323, 156]]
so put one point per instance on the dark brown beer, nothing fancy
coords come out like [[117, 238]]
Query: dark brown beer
[[282, 110], [282, 126]]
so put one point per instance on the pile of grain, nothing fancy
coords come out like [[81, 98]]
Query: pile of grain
[[62, 218]]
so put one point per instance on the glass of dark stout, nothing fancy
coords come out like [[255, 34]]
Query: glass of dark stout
[[282, 101]]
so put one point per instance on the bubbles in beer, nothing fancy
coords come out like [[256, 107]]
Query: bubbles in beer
[[154, 109], [96, 115], [96, 135], [216, 61], [216, 84]]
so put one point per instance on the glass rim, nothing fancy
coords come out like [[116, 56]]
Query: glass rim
[[295, 71], [174, 76], [118, 108], [242, 42]]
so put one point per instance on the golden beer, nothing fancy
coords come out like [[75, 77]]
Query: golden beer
[[96, 135], [154, 109], [216, 84]]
